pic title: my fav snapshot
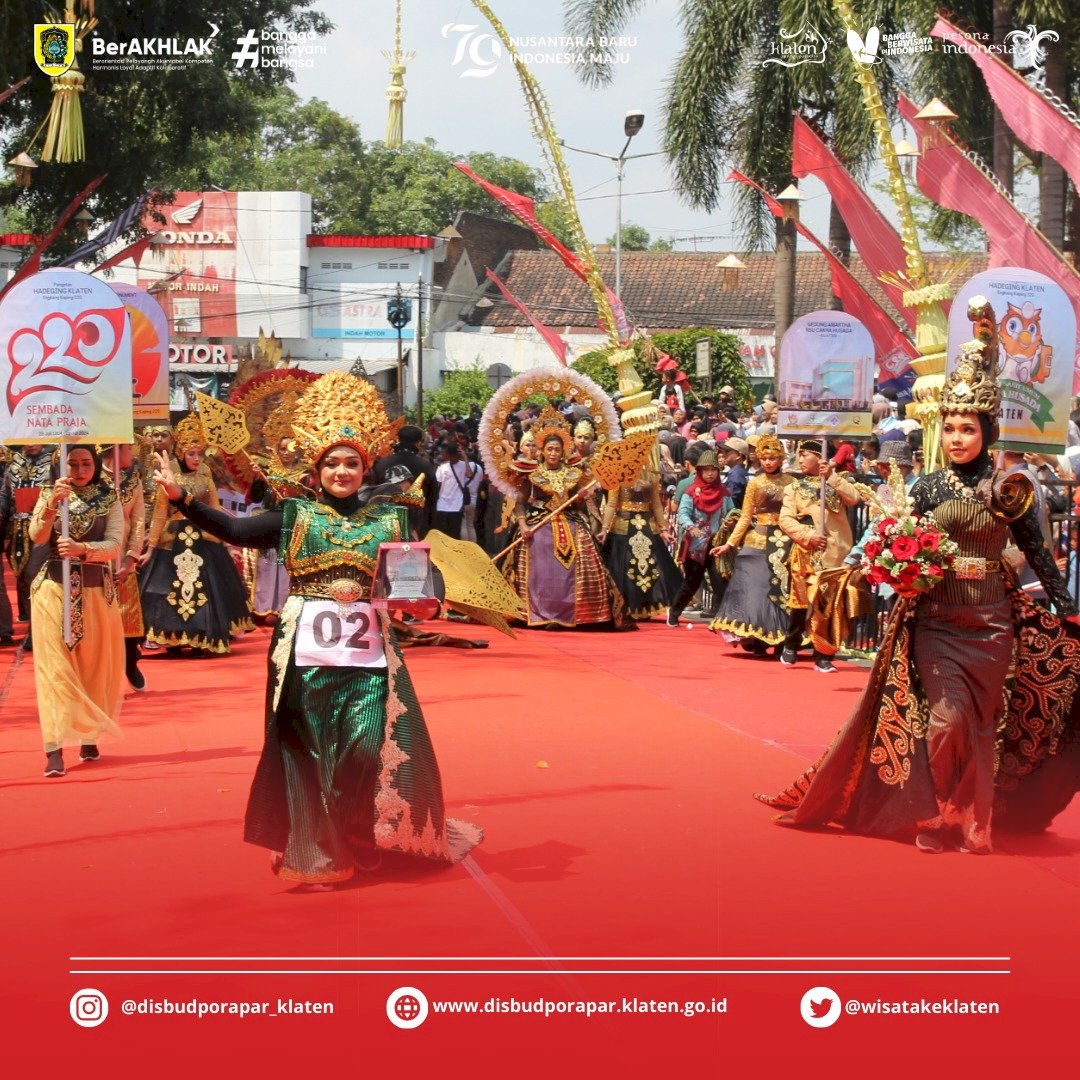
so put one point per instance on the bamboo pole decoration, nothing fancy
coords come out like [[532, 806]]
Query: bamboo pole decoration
[[926, 296], [396, 92], [65, 563]]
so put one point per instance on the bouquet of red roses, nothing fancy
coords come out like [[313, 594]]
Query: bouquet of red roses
[[905, 551]]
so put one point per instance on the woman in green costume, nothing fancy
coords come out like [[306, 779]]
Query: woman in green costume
[[347, 769]]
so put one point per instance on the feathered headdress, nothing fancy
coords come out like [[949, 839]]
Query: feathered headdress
[[342, 410], [971, 386]]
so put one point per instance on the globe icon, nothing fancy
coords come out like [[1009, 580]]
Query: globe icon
[[407, 1008]]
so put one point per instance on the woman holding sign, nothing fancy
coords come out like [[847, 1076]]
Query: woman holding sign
[[79, 687], [347, 768]]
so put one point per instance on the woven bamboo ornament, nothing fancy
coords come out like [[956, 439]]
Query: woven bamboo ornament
[[64, 138]]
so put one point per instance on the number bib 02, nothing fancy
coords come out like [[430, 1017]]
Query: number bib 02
[[339, 635]]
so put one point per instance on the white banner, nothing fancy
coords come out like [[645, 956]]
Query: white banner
[[826, 377], [65, 361], [149, 352], [1037, 337]]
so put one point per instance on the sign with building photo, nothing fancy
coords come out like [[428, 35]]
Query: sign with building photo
[[826, 377], [65, 361], [149, 352], [1037, 353], [355, 312]]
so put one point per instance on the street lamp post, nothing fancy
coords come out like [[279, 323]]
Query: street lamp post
[[632, 124]]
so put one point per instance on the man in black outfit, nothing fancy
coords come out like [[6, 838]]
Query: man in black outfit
[[407, 453]]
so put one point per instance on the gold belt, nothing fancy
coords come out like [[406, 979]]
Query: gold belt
[[766, 519], [341, 590], [971, 568], [635, 507]]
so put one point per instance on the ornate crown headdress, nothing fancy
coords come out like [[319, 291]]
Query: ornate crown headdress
[[550, 423], [188, 435], [770, 446], [278, 424], [971, 386], [585, 427], [342, 410]]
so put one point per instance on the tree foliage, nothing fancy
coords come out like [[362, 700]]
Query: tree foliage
[[728, 368], [637, 238], [459, 392], [356, 187]]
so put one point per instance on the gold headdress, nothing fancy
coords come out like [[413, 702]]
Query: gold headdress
[[550, 424], [585, 427], [342, 410], [971, 386], [527, 438], [770, 446], [188, 435], [278, 424]]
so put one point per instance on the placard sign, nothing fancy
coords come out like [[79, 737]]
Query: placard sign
[[65, 361], [1038, 351], [826, 377], [149, 352]]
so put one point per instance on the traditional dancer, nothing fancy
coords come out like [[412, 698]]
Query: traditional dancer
[[753, 606], [969, 716], [813, 548], [702, 507], [347, 769], [557, 570], [192, 593], [27, 473], [636, 530], [79, 687]]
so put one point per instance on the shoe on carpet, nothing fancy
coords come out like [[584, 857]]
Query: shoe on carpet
[[6, 639], [788, 657], [54, 763], [672, 618], [135, 678], [825, 667], [89, 752], [930, 842]]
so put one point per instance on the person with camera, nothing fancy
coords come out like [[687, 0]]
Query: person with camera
[[458, 481]]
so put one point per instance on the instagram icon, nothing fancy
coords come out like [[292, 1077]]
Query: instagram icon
[[88, 1007]]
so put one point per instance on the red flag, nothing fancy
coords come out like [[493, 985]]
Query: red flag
[[878, 242], [949, 177], [558, 346], [132, 251], [524, 209], [33, 264], [1039, 123], [893, 347]]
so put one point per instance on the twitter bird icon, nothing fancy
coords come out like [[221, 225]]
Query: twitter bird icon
[[820, 1007]]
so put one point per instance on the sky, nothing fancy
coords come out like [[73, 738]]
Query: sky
[[487, 112]]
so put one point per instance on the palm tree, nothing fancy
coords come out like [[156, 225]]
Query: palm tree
[[727, 107]]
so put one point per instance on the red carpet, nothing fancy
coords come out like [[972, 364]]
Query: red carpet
[[636, 851]]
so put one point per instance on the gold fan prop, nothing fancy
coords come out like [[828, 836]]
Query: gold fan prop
[[474, 586]]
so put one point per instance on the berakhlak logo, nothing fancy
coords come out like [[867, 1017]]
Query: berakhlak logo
[[865, 52], [482, 51], [248, 51], [54, 47], [1027, 46], [407, 1007], [805, 46], [820, 1007], [89, 1007]]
